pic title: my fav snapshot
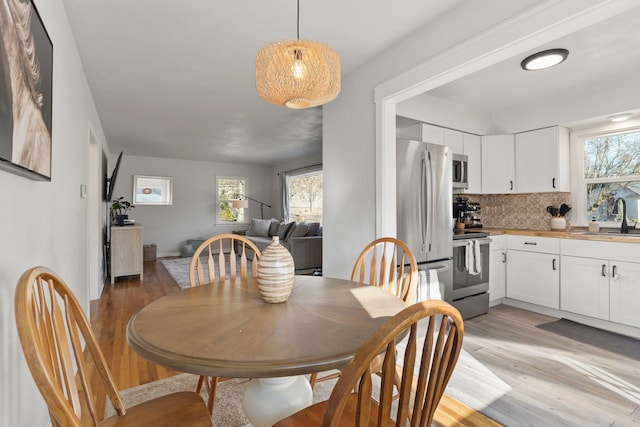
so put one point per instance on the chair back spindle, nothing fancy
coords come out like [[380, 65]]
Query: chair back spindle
[[388, 264], [219, 253]]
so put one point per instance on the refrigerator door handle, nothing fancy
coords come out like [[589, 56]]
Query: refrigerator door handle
[[430, 195], [423, 205]]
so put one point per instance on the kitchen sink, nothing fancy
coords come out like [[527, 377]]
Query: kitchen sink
[[632, 233]]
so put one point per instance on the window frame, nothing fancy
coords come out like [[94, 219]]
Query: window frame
[[578, 180], [219, 201], [286, 198]]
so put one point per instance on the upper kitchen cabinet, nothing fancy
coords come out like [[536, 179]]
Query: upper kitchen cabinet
[[498, 164], [473, 150], [453, 139], [542, 160], [422, 132]]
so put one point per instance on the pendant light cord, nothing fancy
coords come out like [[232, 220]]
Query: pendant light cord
[[298, 20]]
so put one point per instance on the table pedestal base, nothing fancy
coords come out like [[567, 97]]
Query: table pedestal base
[[268, 400]]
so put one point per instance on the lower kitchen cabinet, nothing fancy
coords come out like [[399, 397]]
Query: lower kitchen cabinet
[[497, 269], [585, 286], [604, 288], [533, 270], [625, 293]]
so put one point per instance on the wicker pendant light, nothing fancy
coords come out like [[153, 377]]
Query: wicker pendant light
[[297, 73]]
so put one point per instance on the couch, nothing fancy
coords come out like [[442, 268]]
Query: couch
[[303, 240]]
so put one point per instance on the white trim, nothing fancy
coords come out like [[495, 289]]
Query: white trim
[[247, 214], [578, 182], [538, 25]]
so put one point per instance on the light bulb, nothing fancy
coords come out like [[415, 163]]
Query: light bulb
[[298, 69]]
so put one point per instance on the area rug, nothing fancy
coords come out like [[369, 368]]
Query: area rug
[[228, 410], [178, 269]]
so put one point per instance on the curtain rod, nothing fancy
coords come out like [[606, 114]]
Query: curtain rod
[[301, 169]]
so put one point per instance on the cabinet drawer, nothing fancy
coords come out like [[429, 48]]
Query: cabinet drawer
[[629, 252], [498, 243], [550, 245]]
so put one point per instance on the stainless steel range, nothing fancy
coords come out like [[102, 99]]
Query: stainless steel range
[[470, 286]]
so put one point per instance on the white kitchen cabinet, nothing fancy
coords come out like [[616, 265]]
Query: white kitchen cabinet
[[126, 251], [497, 269], [542, 162], [473, 150], [625, 293], [453, 139], [601, 280], [585, 286], [422, 132], [533, 270], [498, 164]]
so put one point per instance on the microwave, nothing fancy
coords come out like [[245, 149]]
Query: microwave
[[460, 172]]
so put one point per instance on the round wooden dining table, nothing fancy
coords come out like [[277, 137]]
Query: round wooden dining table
[[227, 330]]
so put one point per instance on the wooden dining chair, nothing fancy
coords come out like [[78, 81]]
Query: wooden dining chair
[[63, 354], [215, 258], [387, 263], [427, 363]]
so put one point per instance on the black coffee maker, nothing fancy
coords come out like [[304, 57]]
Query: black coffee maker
[[460, 209], [467, 213]]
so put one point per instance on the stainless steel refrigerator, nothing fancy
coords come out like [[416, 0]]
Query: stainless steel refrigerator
[[424, 208]]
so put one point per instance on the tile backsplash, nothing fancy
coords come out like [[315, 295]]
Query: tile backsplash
[[524, 211]]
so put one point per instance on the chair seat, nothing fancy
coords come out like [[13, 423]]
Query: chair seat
[[313, 415], [190, 410]]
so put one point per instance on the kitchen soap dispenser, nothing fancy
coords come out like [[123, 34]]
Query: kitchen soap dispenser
[[594, 227]]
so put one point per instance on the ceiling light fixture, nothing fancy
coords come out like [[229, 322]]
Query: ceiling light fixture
[[544, 59], [620, 117], [297, 73]]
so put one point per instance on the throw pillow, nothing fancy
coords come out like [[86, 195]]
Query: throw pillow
[[259, 227], [314, 227], [284, 229], [273, 227], [300, 230]]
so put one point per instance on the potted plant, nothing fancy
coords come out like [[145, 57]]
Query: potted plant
[[119, 209]]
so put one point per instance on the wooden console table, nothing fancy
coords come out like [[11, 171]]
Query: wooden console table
[[126, 251]]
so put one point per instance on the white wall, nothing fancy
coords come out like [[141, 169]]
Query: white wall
[[45, 223], [193, 211], [442, 112]]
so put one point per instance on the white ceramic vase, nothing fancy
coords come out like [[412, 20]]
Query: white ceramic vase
[[275, 272]]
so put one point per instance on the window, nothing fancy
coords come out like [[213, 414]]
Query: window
[[303, 195], [610, 170], [228, 189]]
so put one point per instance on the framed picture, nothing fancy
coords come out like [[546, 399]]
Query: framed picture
[[26, 84], [152, 190]]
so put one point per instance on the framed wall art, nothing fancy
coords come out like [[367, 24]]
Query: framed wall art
[[26, 71], [152, 190]]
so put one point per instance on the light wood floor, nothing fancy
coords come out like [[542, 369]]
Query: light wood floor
[[517, 367]]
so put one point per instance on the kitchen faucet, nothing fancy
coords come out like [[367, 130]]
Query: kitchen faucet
[[624, 228]]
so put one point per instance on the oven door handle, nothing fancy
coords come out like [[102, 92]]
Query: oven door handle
[[463, 242]]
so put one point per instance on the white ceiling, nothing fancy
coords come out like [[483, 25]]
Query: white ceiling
[[176, 79], [600, 55]]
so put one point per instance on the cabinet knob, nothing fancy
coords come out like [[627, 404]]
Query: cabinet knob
[[553, 183], [511, 185], [553, 264], [614, 271], [604, 270]]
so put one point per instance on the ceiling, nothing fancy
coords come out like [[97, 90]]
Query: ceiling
[[177, 79], [600, 55]]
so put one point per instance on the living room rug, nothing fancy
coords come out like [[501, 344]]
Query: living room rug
[[228, 410], [178, 269]]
